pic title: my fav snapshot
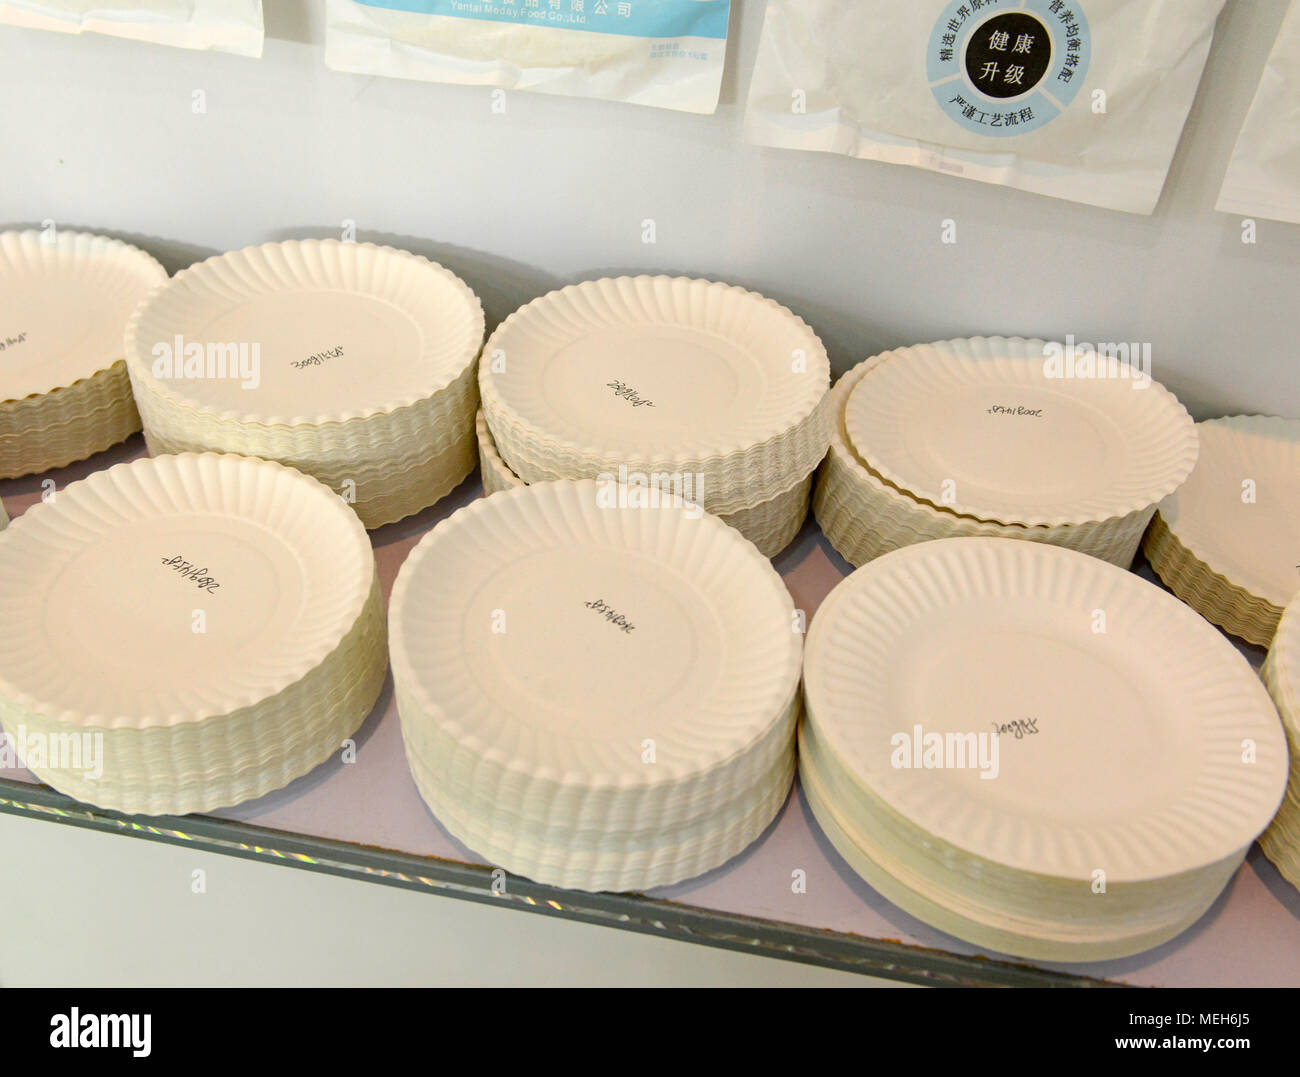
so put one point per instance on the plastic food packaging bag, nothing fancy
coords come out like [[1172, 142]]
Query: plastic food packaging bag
[[222, 25], [667, 53], [1264, 175], [1079, 99]]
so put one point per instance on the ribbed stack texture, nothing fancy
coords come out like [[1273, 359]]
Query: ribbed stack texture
[[1281, 842]]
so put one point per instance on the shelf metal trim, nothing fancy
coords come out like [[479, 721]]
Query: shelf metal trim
[[472, 882]]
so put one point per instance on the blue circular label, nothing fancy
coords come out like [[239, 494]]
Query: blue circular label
[[1007, 67]]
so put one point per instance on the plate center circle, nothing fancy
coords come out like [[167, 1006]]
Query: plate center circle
[[650, 381], [593, 642], [158, 607], [1019, 445], [1069, 711], [301, 353], [38, 336]]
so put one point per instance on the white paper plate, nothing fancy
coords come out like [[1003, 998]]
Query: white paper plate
[[104, 590], [1282, 670], [342, 332], [864, 517], [1049, 926], [226, 759], [1239, 511], [1281, 842], [616, 864], [583, 659], [978, 426], [569, 816], [659, 374], [65, 299], [380, 487], [771, 525], [607, 859], [1143, 711]]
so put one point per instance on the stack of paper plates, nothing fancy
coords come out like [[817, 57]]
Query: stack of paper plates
[[1281, 842], [665, 382], [351, 362], [771, 526], [1228, 542], [187, 632], [1033, 750], [982, 437], [65, 298], [595, 696]]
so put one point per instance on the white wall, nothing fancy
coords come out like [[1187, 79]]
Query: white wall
[[86, 909], [99, 133]]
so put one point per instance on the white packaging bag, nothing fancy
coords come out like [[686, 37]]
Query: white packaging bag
[[1079, 99], [1263, 177], [667, 53], [222, 25]]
